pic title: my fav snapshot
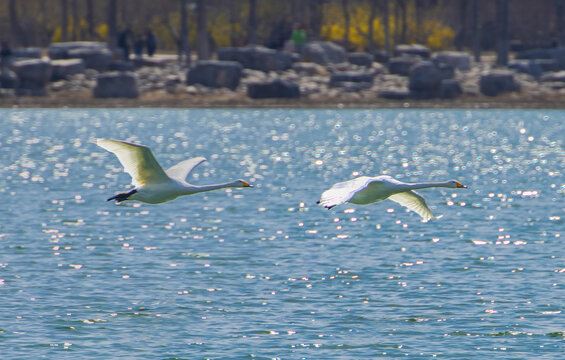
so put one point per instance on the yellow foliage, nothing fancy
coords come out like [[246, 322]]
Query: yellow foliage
[[433, 33], [57, 35], [438, 35], [220, 30], [102, 31]]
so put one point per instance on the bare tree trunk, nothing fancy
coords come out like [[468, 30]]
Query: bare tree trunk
[[112, 24], [64, 21], [90, 20], [462, 33], [418, 14], [346, 18], [233, 21], [184, 48], [503, 46], [17, 34], [560, 21], [252, 32], [203, 47], [297, 11], [396, 21], [46, 30], [371, 27], [475, 30], [124, 14], [315, 18], [386, 20], [76, 21], [404, 33]]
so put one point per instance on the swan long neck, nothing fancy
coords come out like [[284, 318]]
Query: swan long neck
[[193, 189], [425, 185]]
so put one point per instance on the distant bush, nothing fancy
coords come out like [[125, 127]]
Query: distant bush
[[433, 33]]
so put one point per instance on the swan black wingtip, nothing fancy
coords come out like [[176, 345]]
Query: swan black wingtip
[[122, 196]]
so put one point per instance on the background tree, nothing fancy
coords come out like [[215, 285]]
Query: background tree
[[77, 29], [315, 15], [475, 30], [346, 21], [233, 21], [461, 38], [112, 23], [64, 20], [203, 48], [560, 21], [16, 30], [503, 43], [90, 20], [184, 49], [252, 23], [386, 21]]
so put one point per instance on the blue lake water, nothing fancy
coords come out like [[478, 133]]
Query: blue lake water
[[265, 273]]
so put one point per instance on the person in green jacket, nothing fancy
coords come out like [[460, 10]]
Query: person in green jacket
[[298, 37]]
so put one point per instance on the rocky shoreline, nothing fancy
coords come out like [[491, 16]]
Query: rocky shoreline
[[324, 76]]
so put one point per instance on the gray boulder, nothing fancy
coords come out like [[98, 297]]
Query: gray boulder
[[412, 50], [215, 74], [95, 55], [63, 69], [458, 59], [533, 54], [346, 77], [98, 59], [116, 85], [33, 76], [392, 94], [257, 58], [323, 53], [26, 53], [546, 65], [381, 56], [496, 82], [309, 69], [450, 89], [121, 65], [526, 67], [154, 61], [424, 81], [556, 54], [273, 89], [8, 79], [401, 65], [361, 59], [446, 71], [558, 76], [61, 50]]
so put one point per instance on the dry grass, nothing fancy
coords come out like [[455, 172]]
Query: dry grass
[[156, 99]]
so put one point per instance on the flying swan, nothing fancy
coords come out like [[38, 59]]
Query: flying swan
[[151, 183], [366, 190]]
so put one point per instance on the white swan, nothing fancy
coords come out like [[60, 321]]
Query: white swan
[[366, 190], [151, 183]]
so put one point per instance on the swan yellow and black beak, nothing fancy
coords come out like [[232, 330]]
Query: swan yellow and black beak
[[459, 185], [246, 184]]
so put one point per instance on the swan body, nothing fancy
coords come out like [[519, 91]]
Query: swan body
[[152, 184], [366, 190]]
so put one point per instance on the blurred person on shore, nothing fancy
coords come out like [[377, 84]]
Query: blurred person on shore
[[150, 42]]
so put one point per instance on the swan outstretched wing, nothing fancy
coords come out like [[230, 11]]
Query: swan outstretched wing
[[181, 170], [342, 192], [414, 202], [137, 160]]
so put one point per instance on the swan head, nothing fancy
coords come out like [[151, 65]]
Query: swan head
[[242, 183], [456, 184]]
